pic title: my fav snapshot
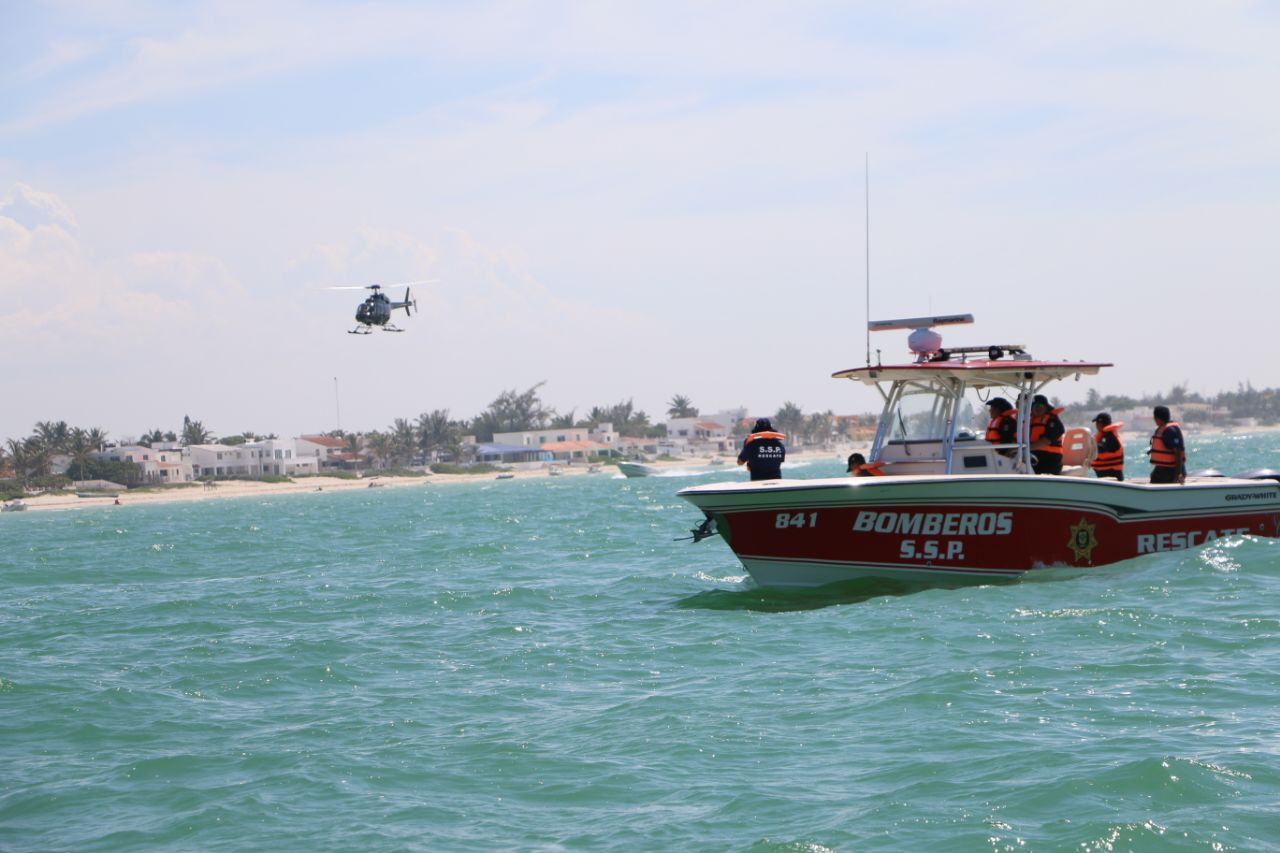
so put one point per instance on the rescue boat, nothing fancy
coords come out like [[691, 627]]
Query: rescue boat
[[952, 508]]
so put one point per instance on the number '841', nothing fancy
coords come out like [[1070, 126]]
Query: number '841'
[[795, 519]]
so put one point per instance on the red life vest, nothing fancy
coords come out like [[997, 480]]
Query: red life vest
[[993, 428], [1163, 456], [755, 435], [1038, 427], [1109, 460]]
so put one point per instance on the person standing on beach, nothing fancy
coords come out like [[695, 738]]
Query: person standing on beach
[[763, 452], [1168, 449], [1110, 459]]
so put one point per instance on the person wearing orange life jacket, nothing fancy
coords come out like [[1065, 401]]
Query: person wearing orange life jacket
[[1110, 459], [859, 467], [1168, 449], [1003, 427], [763, 452], [1046, 437]]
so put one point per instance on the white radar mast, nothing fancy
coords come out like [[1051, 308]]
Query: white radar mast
[[923, 340]]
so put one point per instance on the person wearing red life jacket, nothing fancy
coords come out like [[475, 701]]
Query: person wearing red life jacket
[[763, 452], [1046, 436], [1003, 427], [859, 467], [1110, 459], [1168, 449]]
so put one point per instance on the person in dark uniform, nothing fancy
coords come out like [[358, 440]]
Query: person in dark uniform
[[1168, 449], [1046, 436], [763, 452], [1003, 428], [1110, 459]]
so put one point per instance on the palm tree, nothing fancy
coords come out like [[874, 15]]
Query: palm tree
[[436, 433], [81, 450], [817, 428], [149, 438], [379, 446], [193, 432], [789, 419], [564, 421], [53, 435], [680, 406], [29, 458], [404, 440], [97, 437]]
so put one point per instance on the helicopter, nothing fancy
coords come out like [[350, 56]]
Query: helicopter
[[377, 307]]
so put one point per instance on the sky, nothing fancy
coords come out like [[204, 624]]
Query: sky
[[625, 200]]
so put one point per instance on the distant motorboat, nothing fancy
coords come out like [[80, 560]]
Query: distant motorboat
[[505, 477], [715, 460], [13, 506], [636, 469]]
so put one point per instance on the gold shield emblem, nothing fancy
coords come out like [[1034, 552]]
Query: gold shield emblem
[[1082, 541]]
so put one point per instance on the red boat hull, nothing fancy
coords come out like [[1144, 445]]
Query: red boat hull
[[957, 529]]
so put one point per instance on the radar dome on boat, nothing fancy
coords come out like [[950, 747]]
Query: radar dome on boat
[[924, 342]]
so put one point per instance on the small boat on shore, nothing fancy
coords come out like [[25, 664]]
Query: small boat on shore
[[16, 505], [636, 469], [950, 507]]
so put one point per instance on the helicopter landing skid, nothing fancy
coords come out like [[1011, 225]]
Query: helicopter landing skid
[[363, 330]]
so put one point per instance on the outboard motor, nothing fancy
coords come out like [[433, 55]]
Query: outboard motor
[[1260, 474]]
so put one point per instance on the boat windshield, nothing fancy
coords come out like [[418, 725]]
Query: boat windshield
[[919, 413]]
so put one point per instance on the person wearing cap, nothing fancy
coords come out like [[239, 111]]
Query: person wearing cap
[[1003, 427], [1046, 436], [1168, 449], [763, 452], [1110, 459], [859, 467]]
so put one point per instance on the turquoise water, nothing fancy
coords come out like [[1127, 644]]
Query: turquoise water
[[536, 665]]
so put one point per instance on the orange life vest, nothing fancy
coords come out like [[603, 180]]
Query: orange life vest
[[1109, 460], [1038, 427], [870, 469], [755, 435], [993, 428], [1163, 456]]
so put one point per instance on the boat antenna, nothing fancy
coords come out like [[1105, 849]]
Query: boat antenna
[[866, 194]]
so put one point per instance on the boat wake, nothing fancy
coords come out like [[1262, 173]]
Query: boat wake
[[774, 600]]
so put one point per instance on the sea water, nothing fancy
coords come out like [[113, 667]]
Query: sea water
[[535, 664]]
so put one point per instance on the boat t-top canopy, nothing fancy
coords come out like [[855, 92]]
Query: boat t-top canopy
[[982, 373], [974, 366], [925, 411]]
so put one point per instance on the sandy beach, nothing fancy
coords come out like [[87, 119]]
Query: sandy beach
[[226, 489]]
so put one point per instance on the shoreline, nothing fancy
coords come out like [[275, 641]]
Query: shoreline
[[225, 489]]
